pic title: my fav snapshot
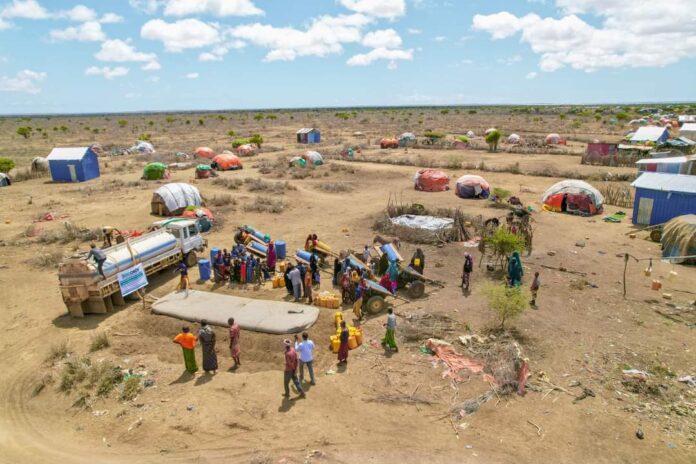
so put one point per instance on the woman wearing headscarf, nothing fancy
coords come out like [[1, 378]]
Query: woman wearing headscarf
[[343, 347], [393, 271], [187, 341], [515, 271], [271, 257], [418, 261], [206, 336], [466, 270], [235, 330]]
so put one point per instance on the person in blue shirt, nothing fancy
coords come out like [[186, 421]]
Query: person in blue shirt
[[99, 258], [305, 348]]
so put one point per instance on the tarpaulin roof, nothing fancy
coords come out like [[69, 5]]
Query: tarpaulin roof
[[669, 160], [306, 130], [68, 153], [575, 186], [313, 157], [679, 236], [648, 134], [666, 182], [179, 195], [205, 152]]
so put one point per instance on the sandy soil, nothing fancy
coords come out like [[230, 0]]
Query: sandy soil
[[585, 336]]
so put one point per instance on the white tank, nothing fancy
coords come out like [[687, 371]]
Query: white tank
[[148, 246]]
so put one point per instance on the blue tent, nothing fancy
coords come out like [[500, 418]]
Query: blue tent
[[77, 164]]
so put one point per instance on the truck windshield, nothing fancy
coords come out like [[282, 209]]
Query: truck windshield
[[193, 230], [175, 232]]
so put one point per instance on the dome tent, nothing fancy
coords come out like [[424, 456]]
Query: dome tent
[[679, 238], [5, 180], [143, 148], [203, 171], [554, 139], [313, 157], [247, 149], [297, 161], [407, 138], [472, 186], [573, 196], [205, 152], [431, 180], [471, 134], [514, 139], [226, 162], [172, 199], [155, 171]]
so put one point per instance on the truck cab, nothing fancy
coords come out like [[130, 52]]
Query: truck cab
[[187, 233]]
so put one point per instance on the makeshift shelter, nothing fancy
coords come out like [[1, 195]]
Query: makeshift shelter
[[470, 134], [77, 164], [247, 149], [514, 139], [554, 139], [652, 134], [671, 164], [431, 180], [298, 161], [155, 171], [660, 197], [688, 130], [142, 148], [472, 186], [203, 171], [226, 162], [205, 152], [407, 139], [308, 135], [5, 180], [460, 144], [172, 199], [679, 238], [39, 164], [574, 197], [313, 157], [388, 143]]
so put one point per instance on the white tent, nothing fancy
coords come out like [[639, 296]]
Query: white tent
[[688, 130], [513, 138], [177, 196]]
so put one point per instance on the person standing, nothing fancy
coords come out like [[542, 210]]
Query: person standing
[[308, 287], [343, 347], [359, 294], [286, 276], [313, 266], [188, 342], [366, 255], [393, 271], [291, 363], [346, 290], [295, 278], [184, 282], [534, 288], [306, 350], [271, 257], [336, 271], [206, 335], [99, 258], [242, 270], [515, 270], [418, 261], [235, 331], [389, 339], [466, 271]]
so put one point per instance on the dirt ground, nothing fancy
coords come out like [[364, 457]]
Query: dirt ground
[[583, 334]]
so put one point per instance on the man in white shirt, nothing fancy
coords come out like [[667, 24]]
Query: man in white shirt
[[305, 349], [296, 279]]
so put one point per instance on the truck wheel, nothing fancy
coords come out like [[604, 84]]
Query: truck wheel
[[375, 305], [191, 259], [416, 289]]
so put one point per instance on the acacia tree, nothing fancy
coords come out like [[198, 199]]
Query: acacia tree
[[507, 302], [24, 132], [503, 243], [492, 139]]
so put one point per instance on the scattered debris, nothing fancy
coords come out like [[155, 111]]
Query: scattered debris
[[537, 427], [135, 424], [690, 380], [639, 434]]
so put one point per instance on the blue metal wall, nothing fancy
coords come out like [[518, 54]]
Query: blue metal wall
[[313, 137], [85, 169], [666, 205]]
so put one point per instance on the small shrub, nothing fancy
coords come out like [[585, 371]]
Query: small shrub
[[6, 165], [74, 373], [122, 123], [223, 199], [265, 205], [57, 352], [50, 259], [454, 162], [501, 193], [105, 376], [131, 389], [335, 187], [24, 174], [229, 183], [260, 185], [238, 142], [507, 302], [99, 341], [505, 242], [24, 132]]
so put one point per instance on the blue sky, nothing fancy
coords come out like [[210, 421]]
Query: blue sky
[[75, 56]]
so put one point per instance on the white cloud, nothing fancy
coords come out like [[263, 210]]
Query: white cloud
[[153, 79], [386, 38], [414, 31], [146, 6], [365, 59], [151, 66], [111, 18], [78, 13], [390, 9], [440, 38], [26, 9], [627, 33], [120, 51], [218, 53], [4, 24], [107, 72], [510, 60], [180, 35], [207, 56], [193, 75], [531, 75], [324, 36], [25, 81], [87, 32], [212, 7]]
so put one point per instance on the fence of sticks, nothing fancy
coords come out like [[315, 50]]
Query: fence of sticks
[[465, 227], [617, 194]]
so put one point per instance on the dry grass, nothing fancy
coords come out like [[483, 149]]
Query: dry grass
[[57, 352], [68, 233], [99, 341], [230, 183], [265, 205], [131, 389], [21, 175], [260, 185], [335, 187], [46, 260], [222, 200]]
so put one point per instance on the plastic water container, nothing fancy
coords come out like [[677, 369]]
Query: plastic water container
[[392, 255], [280, 249], [204, 269], [303, 255], [213, 253], [258, 247]]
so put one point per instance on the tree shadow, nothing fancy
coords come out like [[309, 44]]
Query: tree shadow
[[185, 377]]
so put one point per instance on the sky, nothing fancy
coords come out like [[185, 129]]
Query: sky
[[90, 56]]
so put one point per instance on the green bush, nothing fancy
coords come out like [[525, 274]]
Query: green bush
[[257, 139], [493, 138], [24, 132], [6, 164], [504, 242], [507, 302], [237, 142]]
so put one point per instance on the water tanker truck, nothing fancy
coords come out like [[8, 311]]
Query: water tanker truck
[[84, 290]]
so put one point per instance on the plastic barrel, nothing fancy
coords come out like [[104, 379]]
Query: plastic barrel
[[388, 248], [204, 269], [303, 255], [213, 253], [258, 247], [280, 249]]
